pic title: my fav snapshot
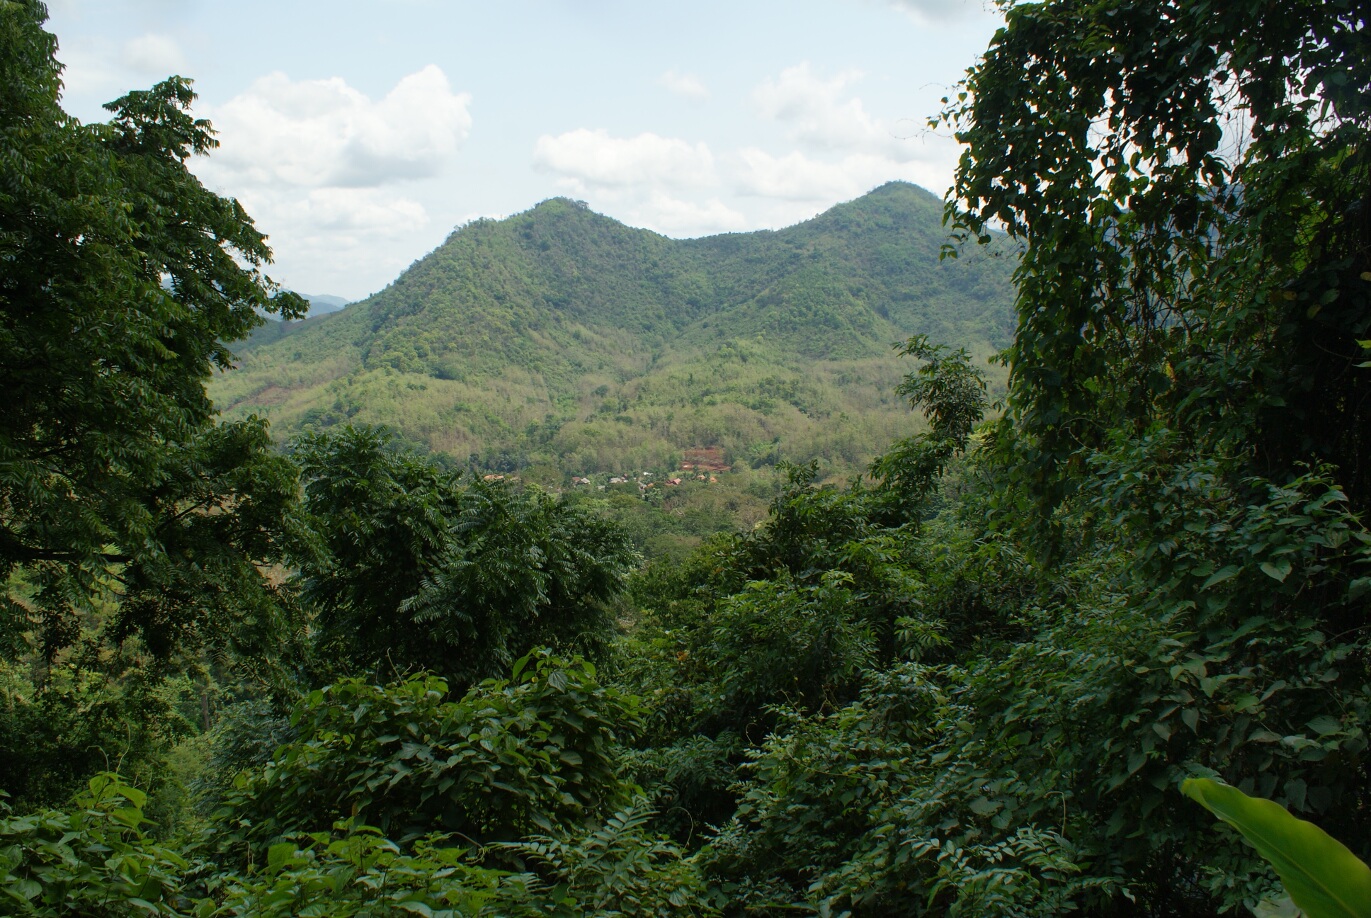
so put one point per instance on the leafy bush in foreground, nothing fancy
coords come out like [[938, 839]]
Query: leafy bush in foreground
[[510, 757]]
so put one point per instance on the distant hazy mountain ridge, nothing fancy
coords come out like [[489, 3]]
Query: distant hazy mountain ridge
[[321, 304], [560, 337]]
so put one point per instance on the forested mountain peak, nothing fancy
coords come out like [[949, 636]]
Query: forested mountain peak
[[545, 317]]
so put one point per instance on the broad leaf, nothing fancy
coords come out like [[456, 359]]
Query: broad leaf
[[1323, 877]]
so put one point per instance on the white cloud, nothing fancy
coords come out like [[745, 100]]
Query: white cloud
[[794, 177], [820, 114], [797, 177], [675, 217], [939, 11], [352, 209], [322, 168], [153, 55], [841, 150], [89, 66], [687, 85], [585, 159], [647, 180], [346, 241], [324, 133], [98, 69]]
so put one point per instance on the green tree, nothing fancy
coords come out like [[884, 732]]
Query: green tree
[[123, 277], [1189, 181], [133, 526], [508, 758], [420, 570], [952, 394]]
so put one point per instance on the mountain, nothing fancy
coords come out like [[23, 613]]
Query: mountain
[[321, 304], [566, 341], [275, 328]]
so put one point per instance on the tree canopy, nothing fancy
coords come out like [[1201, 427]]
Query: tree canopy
[[123, 279], [1190, 181], [419, 569]]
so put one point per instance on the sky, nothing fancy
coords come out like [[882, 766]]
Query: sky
[[360, 134]]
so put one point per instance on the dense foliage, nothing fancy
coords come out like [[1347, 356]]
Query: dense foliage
[[416, 571], [126, 510], [1190, 180], [123, 277], [971, 682]]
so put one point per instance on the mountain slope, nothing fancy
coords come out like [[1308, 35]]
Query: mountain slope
[[564, 338]]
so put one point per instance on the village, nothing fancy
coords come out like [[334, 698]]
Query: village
[[699, 464]]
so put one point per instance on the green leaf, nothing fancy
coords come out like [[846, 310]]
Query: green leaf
[[1278, 570], [28, 889], [1220, 576], [279, 854], [128, 816], [1322, 876], [983, 806], [1325, 725]]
